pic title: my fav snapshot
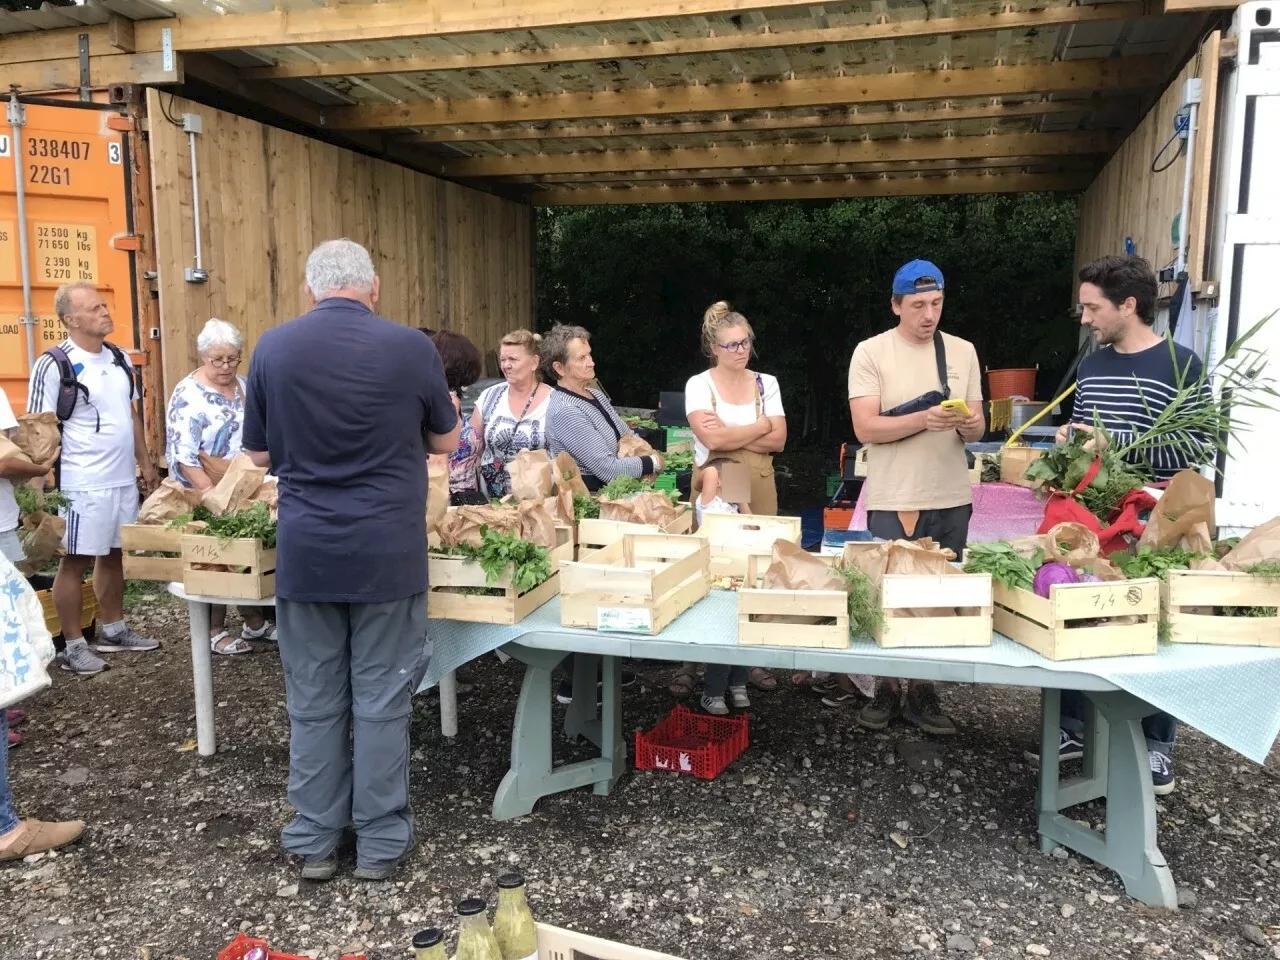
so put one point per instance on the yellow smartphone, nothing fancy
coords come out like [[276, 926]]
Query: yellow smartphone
[[956, 406]]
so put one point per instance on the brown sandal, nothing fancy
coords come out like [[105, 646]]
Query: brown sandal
[[762, 679], [36, 836], [682, 684]]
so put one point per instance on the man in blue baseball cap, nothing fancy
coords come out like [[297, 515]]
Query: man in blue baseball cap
[[917, 476]]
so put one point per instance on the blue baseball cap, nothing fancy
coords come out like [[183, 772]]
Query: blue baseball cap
[[918, 276]]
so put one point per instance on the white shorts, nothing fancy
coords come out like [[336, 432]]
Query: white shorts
[[95, 517]]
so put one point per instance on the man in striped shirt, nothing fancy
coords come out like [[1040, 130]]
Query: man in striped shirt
[[1125, 385], [1137, 373]]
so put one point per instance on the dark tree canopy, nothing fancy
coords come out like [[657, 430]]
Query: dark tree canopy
[[813, 278]]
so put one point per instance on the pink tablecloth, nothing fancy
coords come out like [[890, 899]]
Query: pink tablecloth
[[1001, 511]]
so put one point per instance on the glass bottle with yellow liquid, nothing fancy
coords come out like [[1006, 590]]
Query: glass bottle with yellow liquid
[[429, 945], [513, 920], [475, 936]]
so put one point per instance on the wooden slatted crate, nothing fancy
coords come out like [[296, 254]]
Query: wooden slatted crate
[[902, 593], [455, 580], [791, 613], [1082, 620], [1014, 462], [557, 944], [735, 538], [637, 584], [141, 542], [594, 534], [256, 581], [1192, 602]]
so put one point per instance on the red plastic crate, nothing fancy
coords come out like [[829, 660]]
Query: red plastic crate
[[689, 742], [241, 945]]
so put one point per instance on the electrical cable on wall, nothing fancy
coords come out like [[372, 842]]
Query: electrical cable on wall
[[1181, 124]]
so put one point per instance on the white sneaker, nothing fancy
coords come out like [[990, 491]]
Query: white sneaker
[[738, 698], [126, 641]]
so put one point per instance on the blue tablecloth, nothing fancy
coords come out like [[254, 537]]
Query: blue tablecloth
[[1232, 694]]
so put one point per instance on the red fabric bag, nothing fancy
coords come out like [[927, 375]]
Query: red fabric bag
[[1123, 522]]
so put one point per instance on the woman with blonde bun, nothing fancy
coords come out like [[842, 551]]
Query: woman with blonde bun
[[512, 416], [736, 415]]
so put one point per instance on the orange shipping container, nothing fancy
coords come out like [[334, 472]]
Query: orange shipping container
[[79, 216]]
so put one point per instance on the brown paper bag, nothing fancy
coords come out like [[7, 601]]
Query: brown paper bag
[[537, 523], [236, 489], [171, 499], [269, 493], [794, 568], [1183, 517], [11, 451], [650, 507], [437, 490], [569, 476], [560, 507], [38, 437], [923, 556], [1071, 543], [1261, 545], [631, 445], [463, 524], [41, 536], [532, 476], [215, 468]]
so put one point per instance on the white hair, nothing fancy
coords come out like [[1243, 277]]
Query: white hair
[[218, 333], [339, 265]]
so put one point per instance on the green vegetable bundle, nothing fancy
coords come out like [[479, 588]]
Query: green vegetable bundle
[[619, 488], [865, 615], [531, 564], [1005, 565], [584, 508], [30, 500], [640, 423], [252, 523], [1146, 562], [678, 461], [1063, 466]]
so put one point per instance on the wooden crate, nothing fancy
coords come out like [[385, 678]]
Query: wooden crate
[[451, 577], [1129, 611], [1014, 462], [735, 538], [1187, 594], [257, 583], [901, 593], [557, 944], [88, 608], [137, 540], [637, 584], [789, 609], [594, 534]]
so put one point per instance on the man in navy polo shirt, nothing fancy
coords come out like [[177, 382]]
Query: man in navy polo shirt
[[345, 406]]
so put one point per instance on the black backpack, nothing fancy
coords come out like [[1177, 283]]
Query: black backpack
[[70, 389]]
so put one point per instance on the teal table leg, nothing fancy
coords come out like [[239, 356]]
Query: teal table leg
[[532, 774], [613, 749], [1129, 846], [1047, 794]]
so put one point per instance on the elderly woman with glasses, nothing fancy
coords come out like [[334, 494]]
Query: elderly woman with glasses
[[206, 415], [736, 414]]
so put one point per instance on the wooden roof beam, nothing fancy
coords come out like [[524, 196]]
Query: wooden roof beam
[[43, 76], [985, 111], [819, 190], [409, 19], [729, 43], [783, 154], [1070, 76]]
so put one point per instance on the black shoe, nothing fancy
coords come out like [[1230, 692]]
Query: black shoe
[[877, 714], [1070, 747], [1162, 781], [320, 869], [924, 709], [564, 692]]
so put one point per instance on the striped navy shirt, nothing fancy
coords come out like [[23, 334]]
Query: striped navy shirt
[[589, 432], [1127, 391]]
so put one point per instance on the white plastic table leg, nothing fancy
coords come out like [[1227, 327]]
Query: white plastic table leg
[[202, 675], [449, 704]]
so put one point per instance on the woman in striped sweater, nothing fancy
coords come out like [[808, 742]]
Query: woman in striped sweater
[[580, 419]]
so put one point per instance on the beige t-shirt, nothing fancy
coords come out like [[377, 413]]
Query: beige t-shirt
[[927, 471]]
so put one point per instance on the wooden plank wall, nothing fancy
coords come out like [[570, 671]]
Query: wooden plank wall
[[449, 257], [1128, 200]]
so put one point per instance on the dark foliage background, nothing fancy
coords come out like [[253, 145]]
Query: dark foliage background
[[813, 278]]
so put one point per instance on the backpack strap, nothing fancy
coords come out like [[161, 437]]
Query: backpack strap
[[69, 388], [940, 354], [119, 358]]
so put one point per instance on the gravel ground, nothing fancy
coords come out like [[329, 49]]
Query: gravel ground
[[790, 853]]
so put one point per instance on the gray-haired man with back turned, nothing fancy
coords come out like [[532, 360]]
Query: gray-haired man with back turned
[[345, 406]]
